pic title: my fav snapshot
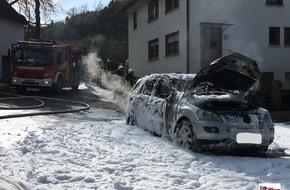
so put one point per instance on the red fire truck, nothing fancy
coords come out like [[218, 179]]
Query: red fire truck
[[45, 65]]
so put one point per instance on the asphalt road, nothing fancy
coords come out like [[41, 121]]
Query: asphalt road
[[42, 103]]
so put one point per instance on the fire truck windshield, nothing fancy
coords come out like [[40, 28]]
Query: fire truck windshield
[[33, 56]]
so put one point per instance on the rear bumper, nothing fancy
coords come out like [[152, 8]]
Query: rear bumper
[[46, 82]]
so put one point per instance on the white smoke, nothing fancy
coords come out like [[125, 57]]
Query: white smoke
[[95, 74]]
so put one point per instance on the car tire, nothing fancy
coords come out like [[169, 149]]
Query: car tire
[[186, 137]]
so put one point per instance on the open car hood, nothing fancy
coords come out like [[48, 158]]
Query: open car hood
[[234, 73]]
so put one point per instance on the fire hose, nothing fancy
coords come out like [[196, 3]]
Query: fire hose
[[40, 103]]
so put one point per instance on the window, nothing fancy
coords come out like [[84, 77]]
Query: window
[[53, 57], [153, 10], [153, 49], [286, 36], [36, 57], [172, 44], [64, 56], [274, 36], [162, 90], [135, 20], [58, 57], [274, 2], [171, 5], [149, 87]]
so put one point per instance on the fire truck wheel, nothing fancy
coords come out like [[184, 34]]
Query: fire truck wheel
[[57, 88]]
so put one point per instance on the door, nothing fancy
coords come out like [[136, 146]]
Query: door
[[157, 105], [211, 43], [153, 102], [140, 105]]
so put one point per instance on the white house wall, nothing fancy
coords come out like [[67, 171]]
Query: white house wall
[[166, 23], [249, 33], [10, 32]]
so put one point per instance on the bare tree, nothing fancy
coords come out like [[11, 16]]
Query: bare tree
[[26, 7]]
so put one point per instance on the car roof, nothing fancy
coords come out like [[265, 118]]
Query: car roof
[[170, 76]]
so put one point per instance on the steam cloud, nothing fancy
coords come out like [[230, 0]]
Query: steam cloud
[[95, 73]]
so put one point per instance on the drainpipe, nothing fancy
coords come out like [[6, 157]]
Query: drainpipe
[[187, 36]]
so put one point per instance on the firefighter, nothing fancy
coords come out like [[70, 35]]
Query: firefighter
[[130, 78], [119, 71]]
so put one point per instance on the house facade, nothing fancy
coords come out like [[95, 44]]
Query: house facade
[[184, 36], [11, 30], [151, 26]]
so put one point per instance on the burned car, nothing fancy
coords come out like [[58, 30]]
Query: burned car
[[207, 110]]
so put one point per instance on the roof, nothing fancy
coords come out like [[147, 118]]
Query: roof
[[129, 4], [9, 12]]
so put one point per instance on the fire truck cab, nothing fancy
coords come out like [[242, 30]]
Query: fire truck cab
[[45, 65]]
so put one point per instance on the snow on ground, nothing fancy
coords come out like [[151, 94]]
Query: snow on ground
[[95, 149]]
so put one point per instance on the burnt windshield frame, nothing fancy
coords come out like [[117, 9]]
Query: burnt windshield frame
[[36, 56]]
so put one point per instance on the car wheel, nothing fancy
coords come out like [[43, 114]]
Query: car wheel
[[185, 136]]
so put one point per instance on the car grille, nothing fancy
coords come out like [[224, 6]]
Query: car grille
[[238, 118]]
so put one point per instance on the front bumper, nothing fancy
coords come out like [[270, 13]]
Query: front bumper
[[46, 82], [234, 136]]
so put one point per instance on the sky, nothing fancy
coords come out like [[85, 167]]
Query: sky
[[66, 5]]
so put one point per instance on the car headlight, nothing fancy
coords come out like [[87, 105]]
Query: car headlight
[[205, 115]]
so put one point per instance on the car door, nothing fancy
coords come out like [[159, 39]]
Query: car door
[[141, 111], [156, 107]]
